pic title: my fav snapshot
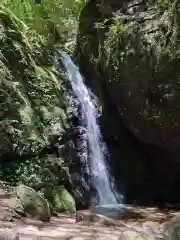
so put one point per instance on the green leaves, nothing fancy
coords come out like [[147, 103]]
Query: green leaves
[[56, 20], [160, 4]]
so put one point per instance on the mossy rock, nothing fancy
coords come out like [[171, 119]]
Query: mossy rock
[[31, 94], [60, 199], [33, 203]]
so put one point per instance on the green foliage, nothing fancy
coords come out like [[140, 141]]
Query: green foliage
[[36, 172], [160, 4], [127, 41], [56, 20]]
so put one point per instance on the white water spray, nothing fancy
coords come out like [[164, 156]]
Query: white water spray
[[96, 166]]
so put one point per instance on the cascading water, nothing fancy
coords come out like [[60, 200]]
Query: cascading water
[[96, 166]]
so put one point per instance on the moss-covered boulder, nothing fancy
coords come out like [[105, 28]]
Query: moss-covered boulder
[[60, 199], [34, 204], [30, 90]]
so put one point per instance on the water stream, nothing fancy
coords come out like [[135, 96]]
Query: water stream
[[96, 165]]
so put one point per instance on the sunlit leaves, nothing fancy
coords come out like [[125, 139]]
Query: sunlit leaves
[[49, 17]]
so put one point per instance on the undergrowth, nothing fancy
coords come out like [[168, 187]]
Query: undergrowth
[[56, 21], [36, 172]]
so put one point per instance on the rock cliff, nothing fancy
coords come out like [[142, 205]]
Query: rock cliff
[[129, 52], [34, 123]]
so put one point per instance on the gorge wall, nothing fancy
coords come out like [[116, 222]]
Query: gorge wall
[[36, 135], [129, 53]]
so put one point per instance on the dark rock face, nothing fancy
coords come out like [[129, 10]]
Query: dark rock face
[[132, 66]]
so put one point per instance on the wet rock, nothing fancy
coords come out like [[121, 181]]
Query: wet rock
[[113, 210], [33, 203], [89, 217]]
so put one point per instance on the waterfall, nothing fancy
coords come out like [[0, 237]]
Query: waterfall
[[94, 150]]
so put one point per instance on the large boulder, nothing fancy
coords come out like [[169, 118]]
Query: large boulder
[[34, 204], [131, 62], [60, 199]]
